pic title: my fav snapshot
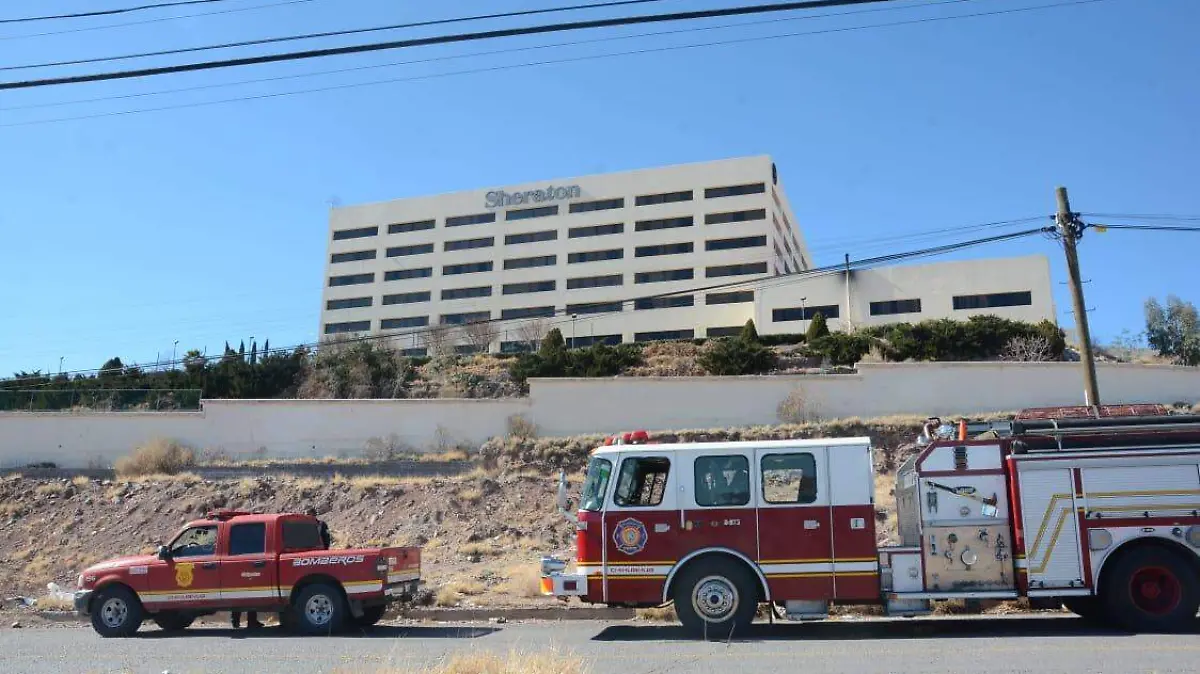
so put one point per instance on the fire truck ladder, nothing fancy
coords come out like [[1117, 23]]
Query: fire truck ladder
[[1129, 433]]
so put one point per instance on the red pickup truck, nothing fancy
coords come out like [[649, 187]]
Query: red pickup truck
[[278, 563]]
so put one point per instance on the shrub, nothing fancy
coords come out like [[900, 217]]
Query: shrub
[[843, 348], [978, 338], [598, 360], [520, 427], [749, 332], [736, 355], [817, 328], [796, 408], [157, 457]]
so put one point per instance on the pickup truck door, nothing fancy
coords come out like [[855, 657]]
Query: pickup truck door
[[190, 577], [249, 574]]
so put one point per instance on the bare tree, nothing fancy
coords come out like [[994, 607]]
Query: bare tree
[[437, 339], [1027, 350], [533, 331], [478, 334]]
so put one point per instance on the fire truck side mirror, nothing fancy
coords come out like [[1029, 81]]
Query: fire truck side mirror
[[564, 503], [163, 552]]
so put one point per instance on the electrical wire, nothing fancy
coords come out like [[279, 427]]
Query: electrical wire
[[758, 282], [1150, 216], [438, 39], [110, 12], [1145, 228], [471, 55], [592, 57], [159, 19], [335, 33]]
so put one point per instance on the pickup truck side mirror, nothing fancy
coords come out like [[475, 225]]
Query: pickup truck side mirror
[[163, 552]]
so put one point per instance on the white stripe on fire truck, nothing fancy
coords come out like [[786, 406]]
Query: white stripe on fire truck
[[662, 570], [819, 567], [401, 577]]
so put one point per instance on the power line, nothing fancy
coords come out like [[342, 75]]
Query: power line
[[1146, 228], [494, 52], [335, 33], [1149, 216], [160, 19], [438, 39], [109, 12], [760, 282], [592, 57]]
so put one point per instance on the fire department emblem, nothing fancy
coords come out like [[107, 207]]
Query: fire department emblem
[[183, 575], [630, 536]]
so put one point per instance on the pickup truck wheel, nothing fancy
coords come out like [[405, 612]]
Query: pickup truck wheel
[[1151, 589], [370, 616], [320, 609], [173, 621], [715, 599], [116, 612]]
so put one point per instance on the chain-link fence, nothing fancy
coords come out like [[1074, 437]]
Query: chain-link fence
[[100, 400]]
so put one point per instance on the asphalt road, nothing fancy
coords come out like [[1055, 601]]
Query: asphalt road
[[925, 646]]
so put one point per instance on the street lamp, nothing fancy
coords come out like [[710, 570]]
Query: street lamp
[[573, 317], [174, 347], [803, 313], [60, 362]]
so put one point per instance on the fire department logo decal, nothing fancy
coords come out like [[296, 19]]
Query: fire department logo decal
[[630, 536], [183, 575]]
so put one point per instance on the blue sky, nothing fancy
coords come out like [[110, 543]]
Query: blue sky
[[122, 234]]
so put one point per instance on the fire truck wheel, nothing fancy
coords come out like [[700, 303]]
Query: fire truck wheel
[[370, 616], [116, 612], [1151, 589], [320, 609], [1090, 609], [715, 598], [173, 621]]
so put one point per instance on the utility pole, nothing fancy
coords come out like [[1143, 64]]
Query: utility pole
[[1069, 229]]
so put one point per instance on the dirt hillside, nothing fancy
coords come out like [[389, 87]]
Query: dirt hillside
[[482, 532]]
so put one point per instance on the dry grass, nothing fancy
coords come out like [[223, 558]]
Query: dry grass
[[185, 478], [447, 455], [487, 662], [470, 495], [479, 549], [452, 593], [159, 456], [81, 481], [524, 580], [658, 614], [51, 489], [52, 602]]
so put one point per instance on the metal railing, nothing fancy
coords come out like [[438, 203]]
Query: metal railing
[[99, 400]]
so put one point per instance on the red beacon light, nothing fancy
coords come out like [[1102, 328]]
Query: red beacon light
[[223, 515]]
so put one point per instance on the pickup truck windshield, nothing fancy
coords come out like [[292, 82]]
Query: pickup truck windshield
[[595, 484]]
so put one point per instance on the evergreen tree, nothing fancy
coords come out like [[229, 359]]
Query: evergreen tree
[[817, 328], [749, 332]]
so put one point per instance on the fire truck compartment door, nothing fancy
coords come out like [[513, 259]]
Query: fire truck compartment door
[[795, 543], [1050, 528]]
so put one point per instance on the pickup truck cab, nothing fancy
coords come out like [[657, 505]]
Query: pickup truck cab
[[277, 563]]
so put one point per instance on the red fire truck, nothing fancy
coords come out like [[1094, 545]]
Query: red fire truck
[[1099, 513]]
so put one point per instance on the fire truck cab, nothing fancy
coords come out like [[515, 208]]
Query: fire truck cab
[[720, 527], [1099, 513]]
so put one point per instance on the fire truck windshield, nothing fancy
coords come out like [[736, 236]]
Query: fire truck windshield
[[595, 484]]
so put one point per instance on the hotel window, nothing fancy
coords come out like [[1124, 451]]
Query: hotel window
[[401, 227], [407, 298], [527, 213], [594, 308], [419, 249], [527, 312], [353, 326], [351, 280], [351, 303], [663, 335], [477, 219], [352, 257], [361, 232], [664, 198], [596, 230], [464, 293], [735, 216], [599, 205], [670, 302], [736, 269], [529, 287], [410, 322], [596, 256], [531, 237], [665, 275], [467, 244], [466, 268], [663, 249], [740, 242], [892, 307], [605, 281], [527, 262], [736, 297], [467, 317], [663, 223], [734, 190], [402, 274], [1014, 299], [805, 313]]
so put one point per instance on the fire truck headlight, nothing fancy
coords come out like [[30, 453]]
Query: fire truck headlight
[[1099, 539], [1193, 536]]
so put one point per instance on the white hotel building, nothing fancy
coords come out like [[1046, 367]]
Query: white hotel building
[[632, 256]]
